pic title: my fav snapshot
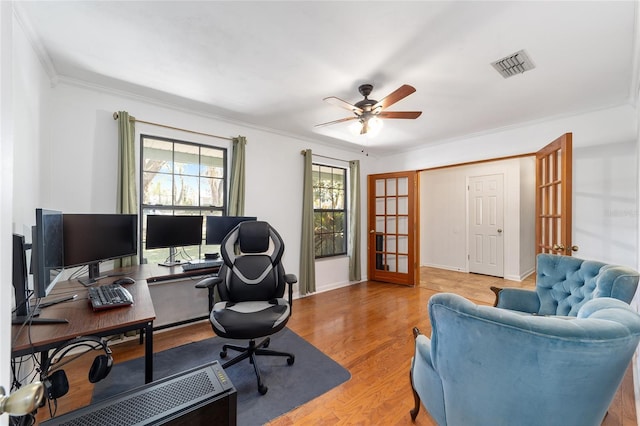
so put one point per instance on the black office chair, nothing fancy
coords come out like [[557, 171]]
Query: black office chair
[[251, 285]]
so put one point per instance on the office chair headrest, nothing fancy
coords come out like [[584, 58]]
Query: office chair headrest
[[253, 237]]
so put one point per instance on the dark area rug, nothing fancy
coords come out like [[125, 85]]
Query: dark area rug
[[312, 374]]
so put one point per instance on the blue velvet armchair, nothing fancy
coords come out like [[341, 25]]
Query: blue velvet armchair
[[565, 283], [490, 366]]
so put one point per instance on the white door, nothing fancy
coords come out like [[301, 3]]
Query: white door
[[486, 219]]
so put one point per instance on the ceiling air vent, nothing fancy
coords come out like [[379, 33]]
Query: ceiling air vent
[[516, 63]]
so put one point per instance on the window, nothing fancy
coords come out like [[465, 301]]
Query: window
[[180, 178], [329, 210]]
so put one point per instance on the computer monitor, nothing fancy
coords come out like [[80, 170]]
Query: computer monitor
[[19, 276], [219, 226], [169, 231], [46, 263], [47, 251], [90, 239]]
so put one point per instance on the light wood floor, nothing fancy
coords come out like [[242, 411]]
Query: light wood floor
[[367, 329]]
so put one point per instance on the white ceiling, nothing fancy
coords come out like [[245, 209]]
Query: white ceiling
[[270, 64]]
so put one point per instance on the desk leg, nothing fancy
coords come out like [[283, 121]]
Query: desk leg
[[148, 353]]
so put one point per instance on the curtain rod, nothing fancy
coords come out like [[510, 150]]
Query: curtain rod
[[324, 156], [116, 116]]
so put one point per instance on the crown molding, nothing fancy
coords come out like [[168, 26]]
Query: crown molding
[[36, 43]]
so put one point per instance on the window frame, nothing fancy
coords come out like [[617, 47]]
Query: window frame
[[203, 210], [344, 211]]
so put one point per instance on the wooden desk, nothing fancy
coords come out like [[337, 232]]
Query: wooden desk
[[83, 321]]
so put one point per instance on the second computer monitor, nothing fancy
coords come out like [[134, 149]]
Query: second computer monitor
[[173, 231], [219, 226], [93, 238]]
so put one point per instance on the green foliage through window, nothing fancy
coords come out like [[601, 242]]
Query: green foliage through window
[[329, 209], [180, 178]]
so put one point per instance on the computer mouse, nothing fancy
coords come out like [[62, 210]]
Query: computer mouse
[[124, 281]]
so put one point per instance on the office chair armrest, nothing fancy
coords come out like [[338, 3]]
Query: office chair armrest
[[209, 283], [290, 278]]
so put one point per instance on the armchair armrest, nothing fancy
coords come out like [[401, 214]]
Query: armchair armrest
[[517, 299], [423, 345]]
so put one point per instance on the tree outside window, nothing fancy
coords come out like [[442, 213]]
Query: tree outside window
[[180, 178], [329, 209]]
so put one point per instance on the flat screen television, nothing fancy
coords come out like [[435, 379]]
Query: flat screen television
[[90, 239], [171, 231], [219, 226]]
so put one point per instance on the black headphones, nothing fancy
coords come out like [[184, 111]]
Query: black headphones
[[55, 380]]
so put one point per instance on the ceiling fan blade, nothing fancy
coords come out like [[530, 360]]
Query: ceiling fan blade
[[400, 114], [400, 93], [336, 121], [343, 104]]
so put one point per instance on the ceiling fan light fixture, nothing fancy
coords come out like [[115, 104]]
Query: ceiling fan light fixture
[[355, 128], [370, 126], [374, 125]]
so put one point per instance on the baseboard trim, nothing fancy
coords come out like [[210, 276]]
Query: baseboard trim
[[448, 268]]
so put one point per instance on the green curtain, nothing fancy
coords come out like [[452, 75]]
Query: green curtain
[[236, 184], [354, 221], [127, 197], [307, 278]]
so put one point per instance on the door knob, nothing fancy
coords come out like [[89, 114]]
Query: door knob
[[499, 231]]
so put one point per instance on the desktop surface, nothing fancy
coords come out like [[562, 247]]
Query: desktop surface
[[82, 320]]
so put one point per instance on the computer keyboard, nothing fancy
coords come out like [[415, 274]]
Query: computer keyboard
[[109, 296], [203, 264]]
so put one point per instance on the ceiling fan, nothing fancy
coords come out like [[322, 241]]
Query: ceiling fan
[[368, 112]]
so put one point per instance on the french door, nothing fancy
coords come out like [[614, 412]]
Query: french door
[[553, 197], [393, 228]]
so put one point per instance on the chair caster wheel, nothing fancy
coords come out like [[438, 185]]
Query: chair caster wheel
[[223, 354], [262, 389], [291, 360]]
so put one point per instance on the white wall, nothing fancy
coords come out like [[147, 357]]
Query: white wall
[[605, 181], [605, 202], [444, 216]]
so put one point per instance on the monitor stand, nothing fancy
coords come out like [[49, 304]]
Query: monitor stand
[[37, 321], [34, 313], [94, 275], [171, 260]]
